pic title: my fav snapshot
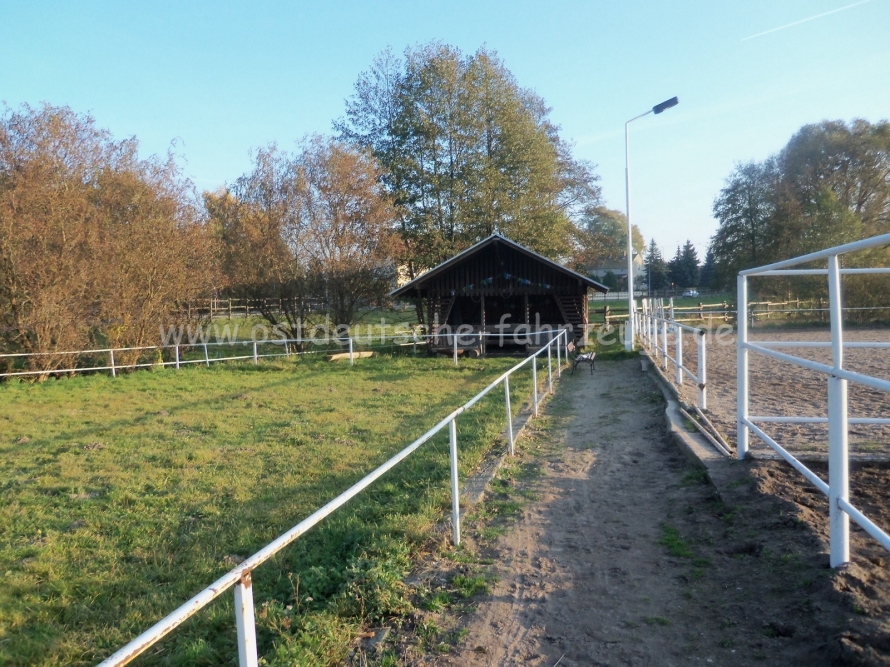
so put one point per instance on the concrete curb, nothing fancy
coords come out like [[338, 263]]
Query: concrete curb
[[697, 449], [476, 485]]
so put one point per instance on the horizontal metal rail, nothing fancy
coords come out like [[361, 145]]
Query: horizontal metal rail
[[385, 340], [817, 481], [819, 272], [820, 344], [240, 575], [865, 244], [816, 420], [867, 525], [843, 373]]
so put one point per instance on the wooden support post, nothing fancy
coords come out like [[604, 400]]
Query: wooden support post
[[482, 329]]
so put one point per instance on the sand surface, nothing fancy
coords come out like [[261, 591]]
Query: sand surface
[[780, 388], [586, 576]]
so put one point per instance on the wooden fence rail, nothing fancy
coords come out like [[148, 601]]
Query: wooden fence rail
[[218, 308]]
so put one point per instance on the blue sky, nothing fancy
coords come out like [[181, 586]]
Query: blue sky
[[221, 78]]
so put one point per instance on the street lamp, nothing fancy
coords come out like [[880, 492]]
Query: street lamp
[[630, 336]]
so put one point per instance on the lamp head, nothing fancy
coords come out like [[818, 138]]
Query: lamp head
[[667, 104]]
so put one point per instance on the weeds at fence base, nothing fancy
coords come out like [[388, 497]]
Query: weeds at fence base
[[446, 581], [609, 346]]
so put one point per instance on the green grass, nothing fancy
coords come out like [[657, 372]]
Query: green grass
[[695, 477], [656, 620], [675, 543], [608, 347], [468, 586], [124, 497]]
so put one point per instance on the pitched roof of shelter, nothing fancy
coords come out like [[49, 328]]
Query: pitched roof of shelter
[[491, 240]]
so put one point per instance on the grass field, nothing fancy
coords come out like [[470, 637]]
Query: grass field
[[124, 497]]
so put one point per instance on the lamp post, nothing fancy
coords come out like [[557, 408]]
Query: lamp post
[[630, 334]]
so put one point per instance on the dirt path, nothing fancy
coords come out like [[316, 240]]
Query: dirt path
[[628, 557]]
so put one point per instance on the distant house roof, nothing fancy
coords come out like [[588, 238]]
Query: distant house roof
[[418, 282], [615, 265], [609, 265]]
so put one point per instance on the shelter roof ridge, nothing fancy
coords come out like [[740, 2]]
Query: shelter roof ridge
[[496, 236]]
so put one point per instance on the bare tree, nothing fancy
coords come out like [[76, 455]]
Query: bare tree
[[262, 253], [349, 223], [306, 227]]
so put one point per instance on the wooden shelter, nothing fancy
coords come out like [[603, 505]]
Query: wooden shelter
[[499, 287]]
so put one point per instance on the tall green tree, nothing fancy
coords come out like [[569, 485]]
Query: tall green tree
[[656, 268], [707, 277], [744, 209], [684, 269], [466, 152], [829, 185], [601, 235], [851, 160]]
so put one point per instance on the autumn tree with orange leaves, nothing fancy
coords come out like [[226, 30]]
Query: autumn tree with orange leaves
[[97, 246]]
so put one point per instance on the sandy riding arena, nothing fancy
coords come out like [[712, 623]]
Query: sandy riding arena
[[780, 388]]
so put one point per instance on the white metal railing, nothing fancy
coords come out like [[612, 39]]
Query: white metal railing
[[459, 341], [654, 321], [838, 487], [240, 576], [178, 361]]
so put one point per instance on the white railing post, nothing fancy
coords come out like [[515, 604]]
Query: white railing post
[[177, 356], [256, 358], [647, 318], [664, 344], [509, 414], [206, 355], [558, 355], [414, 336], [653, 338], [679, 334], [454, 341], [742, 371], [535, 382], [351, 353], [644, 320], [244, 620], [838, 459], [651, 325], [113, 371], [636, 316], [549, 371], [455, 488], [703, 371]]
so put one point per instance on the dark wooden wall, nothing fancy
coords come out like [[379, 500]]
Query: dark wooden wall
[[498, 272]]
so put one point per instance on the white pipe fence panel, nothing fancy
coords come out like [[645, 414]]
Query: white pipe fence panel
[[838, 487], [253, 351], [240, 576], [656, 322]]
